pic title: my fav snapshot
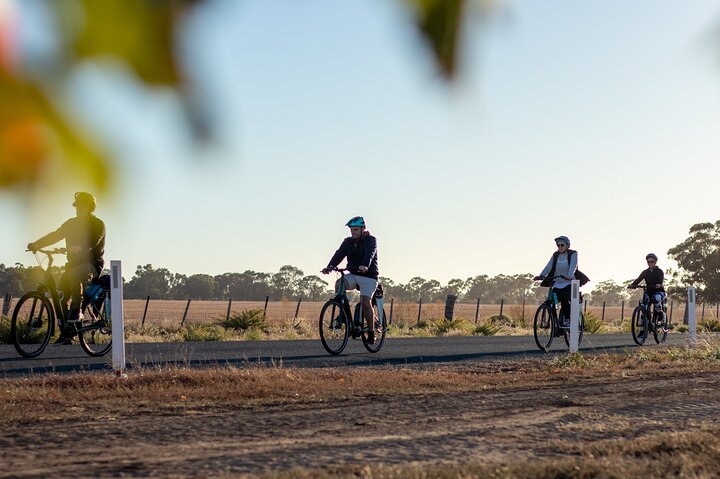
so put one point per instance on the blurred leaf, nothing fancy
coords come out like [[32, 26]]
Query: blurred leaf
[[138, 32], [34, 137], [439, 22]]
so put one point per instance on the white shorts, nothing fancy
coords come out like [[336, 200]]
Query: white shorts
[[367, 286]]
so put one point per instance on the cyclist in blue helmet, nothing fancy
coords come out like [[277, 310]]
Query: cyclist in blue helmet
[[360, 249], [653, 277], [563, 263]]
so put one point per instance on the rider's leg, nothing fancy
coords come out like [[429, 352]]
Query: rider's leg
[[563, 295], [72, 283], [369, 316]]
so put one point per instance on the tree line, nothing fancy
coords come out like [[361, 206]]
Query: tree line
[[698, 258]]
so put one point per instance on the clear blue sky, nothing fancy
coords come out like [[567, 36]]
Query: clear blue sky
[[599, 120]]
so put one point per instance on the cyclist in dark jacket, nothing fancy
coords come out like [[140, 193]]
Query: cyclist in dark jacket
[[84, 237], [653, 277], [360, 249]]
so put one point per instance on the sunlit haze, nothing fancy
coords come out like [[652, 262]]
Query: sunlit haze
[[596, 120]]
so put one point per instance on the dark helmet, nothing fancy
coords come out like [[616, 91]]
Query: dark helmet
[[651, 256], [564, 239], [356, 221], [86, 198]]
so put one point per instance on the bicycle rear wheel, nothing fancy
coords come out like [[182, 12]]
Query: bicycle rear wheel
[[96, 331], [32, 324], [379, 334], [543, 327], [334, 327], [639, 326], [659, 331]]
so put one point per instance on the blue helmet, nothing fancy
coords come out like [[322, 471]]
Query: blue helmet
[[356, 221]]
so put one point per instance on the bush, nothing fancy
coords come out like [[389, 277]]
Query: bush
[[681, 328], [5, 330], [486, 329], [442, 326], [501, 320], [202, 332], [710, 325], [593, 324], [245, 319]]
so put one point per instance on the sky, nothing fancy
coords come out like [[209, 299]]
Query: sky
[[598, 120]]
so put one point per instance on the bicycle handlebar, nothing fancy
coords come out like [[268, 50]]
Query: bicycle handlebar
[[542, 278]]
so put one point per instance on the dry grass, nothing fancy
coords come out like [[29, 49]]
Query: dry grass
[[49, 395]]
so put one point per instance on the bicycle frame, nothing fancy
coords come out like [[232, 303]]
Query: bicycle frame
[[49, 286]]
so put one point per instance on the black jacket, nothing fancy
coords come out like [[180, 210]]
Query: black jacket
[[651, 278], [88, 233], [362, 252]]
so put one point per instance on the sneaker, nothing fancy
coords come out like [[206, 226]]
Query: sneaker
[[371, 337], [63, 340]]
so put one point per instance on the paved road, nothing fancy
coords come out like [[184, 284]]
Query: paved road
[[310, 353]]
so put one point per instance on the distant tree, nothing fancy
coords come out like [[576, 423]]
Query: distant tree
[[455, 286], [698, 258], [609, 292], [285, 282], [313, 288], [197, 286], [148, 281]]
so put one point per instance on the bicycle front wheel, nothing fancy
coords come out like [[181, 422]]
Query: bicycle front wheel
[[96, 331], [543, 327], [639, 326], [32, 324], [334, 327]]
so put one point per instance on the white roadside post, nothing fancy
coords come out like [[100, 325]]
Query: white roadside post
[[692, 322], [574, 315], [117, 318]]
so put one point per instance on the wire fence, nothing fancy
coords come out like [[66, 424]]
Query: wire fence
[[175, 313]]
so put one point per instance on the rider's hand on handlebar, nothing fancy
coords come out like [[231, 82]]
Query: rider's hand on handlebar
[[31, 247], [362, 269], [325, 270], [538, 278]]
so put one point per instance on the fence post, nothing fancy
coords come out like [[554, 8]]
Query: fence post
[[6, 304], [265, 308], [702, 315], [147, 303], [603, 312], [523, 311], [477, 311], [117, 318], [690, 313], [622, 311], [671, 308], [502, 304], [227, 316], [717, 310], [574, 315], [585, 306], [392, 301], [297, 309], [450, 306], [182, 323], [419, 310]]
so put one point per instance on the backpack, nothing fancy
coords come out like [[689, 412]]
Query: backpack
[[548, 281]]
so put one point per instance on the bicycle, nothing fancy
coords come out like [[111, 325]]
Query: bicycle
[[547, 325], [336, 326], [37, 312], [646, 317]]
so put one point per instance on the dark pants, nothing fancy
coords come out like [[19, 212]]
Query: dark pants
[[71, 285], [563, 296]]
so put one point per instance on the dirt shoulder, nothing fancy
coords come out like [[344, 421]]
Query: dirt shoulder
[[609, 416]]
